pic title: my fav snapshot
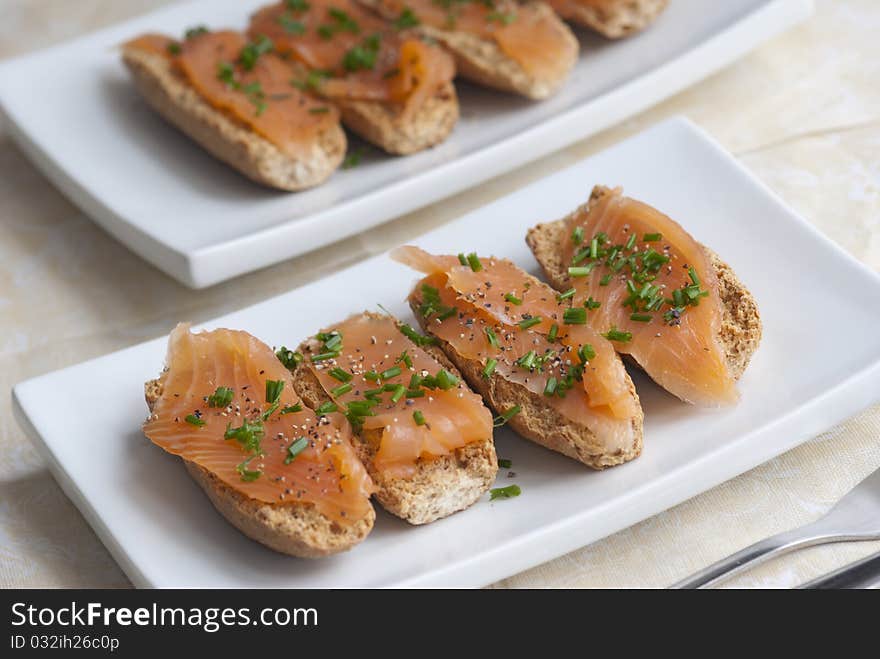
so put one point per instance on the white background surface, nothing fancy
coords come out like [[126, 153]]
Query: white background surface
[[802, 112]]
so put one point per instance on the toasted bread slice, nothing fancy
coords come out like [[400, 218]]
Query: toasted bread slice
[[740, 331], [440, 486], [225, 138], [293, 528], [537, 420], [482, 61], [613, 19], [386, 127]]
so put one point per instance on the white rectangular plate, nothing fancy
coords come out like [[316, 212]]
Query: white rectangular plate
[[74, 111], [818, 364]]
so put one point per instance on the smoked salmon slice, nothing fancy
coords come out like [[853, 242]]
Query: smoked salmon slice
[[402, 400], [650, 288], [350, 54], [229, 406], [246, 81], [492, 312]]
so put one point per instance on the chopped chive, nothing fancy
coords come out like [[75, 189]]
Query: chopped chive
[[372, 376], [504, 463], [248, 435], [389, 387], [575, 316], [490, 367], [564, 296], [474, 261], [405, 358], [490, 334], [508, 492], [594, 248], [288, 357], [392, 372], [503, 418], [221, 397], [290, 409], [527, 360], [554, 330], [415, 380], [415, 337], [693, 275], [577, 236], [415, 393], [630, 243], [652, 237], [323, 356], [419, 418], [295, 449], [592, 304], [326, 408], [580, 255], [247, 475], [370, 393], [446, 380], [581, 271], [550, 388], [462, 258], [399, 391], [586, 352], [341, 389], [526, 323], [194, 420], [339, 374], [641, 317], [273, 390], [615, 334], [513, 299]]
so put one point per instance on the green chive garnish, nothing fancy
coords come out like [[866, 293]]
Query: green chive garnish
[[415, 337], [504, 463], [392, 372], [326, 408], [291, 409], [526, 323], [652, 237], [405, 358], [554, 330], [372, 376], [594, 248], [513, 299], [615, 334], [323, 356], [339, 374], [295, 449], [474, 261], [586, 352], [288, 357], [630, 243], [577, 236], [273, 390], [490, 367], [341, 389], [550, 388], [575, 316], [527, 360], [247, 475], [592, 304], [462, 258], [419, 418], [641, 317], [194, 420], [606, 279], [564, 296], [508, 492], [490, 334], [693, 275], [446, 380], [221, 397], [581, 271], [399, 391], [503, 418]]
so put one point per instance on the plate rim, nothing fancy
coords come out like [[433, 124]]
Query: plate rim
[[206, 266]]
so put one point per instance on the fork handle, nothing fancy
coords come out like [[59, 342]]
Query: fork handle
[[753, 555]]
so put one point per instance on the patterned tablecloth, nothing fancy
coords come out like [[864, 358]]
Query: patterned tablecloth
[[802, 112]]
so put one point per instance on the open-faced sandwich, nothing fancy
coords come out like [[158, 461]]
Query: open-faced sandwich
[[425, 438], [521, 47], [613, 19], [662, 298], [393, 90], [533, 357], [283, 474], [235, 98]]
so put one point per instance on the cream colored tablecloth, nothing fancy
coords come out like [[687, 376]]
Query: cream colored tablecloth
[[802, 112]]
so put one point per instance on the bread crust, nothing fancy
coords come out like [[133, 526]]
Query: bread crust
[[383, 124], [226, 139], [295, 528], [740, 331], [483, 62], [616, 19], [440, 486], [538, 420]]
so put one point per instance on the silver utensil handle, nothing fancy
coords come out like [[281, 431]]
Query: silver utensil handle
[[861, 574], [751, 556]]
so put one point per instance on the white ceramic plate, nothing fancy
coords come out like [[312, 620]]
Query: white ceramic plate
[[818, 364], [201, 222]]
